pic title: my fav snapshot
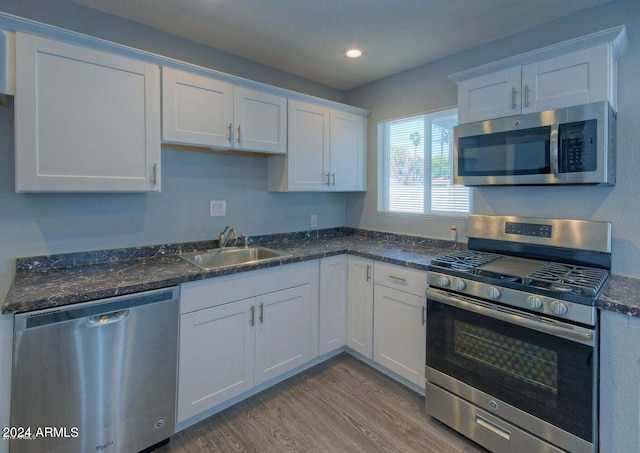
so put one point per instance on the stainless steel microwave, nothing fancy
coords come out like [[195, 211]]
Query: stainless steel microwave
[[573, 145]]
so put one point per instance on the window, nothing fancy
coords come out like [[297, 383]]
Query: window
[[416, 166]]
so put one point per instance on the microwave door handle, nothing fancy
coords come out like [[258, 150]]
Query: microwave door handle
[[553, 144]]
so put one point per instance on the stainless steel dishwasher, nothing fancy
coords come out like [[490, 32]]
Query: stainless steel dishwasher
[[97, 376]]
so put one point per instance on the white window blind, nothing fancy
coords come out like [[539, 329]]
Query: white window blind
[[416, 163]]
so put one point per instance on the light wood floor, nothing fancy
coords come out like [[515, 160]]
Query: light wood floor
[[341, 405]]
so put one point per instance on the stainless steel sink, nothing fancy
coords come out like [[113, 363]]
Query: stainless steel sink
[[232, 256]]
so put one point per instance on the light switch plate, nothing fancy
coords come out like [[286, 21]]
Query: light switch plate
[[217, 208]]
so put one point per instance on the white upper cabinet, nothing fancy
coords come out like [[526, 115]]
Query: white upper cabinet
[[86, 121], [489, 96], [7, 63], [204, 111], [576, 78], [326, 151], [576, 72]]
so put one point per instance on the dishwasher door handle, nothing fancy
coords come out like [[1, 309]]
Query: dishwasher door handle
[[107, 318]]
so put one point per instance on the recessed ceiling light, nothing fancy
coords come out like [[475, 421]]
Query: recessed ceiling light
[[353, 53]]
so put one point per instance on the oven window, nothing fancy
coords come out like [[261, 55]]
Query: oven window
[[546, 376], [526, 362], [524, 152]]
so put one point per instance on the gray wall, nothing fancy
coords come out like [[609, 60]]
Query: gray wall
[[33, 224], [428, 88]]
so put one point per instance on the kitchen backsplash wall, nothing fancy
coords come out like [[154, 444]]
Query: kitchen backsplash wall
[[428, 88]]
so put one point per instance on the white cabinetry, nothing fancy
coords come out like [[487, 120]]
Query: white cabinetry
[[619, 383], [399, 333], [85, 120], [242, 330], [326, 151], [360, 305], [576, 72], [7, 63], [204, 111], [333, 303]]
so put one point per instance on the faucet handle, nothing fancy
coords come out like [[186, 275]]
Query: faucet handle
[[225, 230]]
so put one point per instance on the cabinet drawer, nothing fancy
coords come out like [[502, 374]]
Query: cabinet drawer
[[402, 278]]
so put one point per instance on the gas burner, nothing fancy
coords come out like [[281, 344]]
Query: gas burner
[[567, 278], [465, 260]]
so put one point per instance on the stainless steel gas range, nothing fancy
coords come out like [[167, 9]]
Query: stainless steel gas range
[[512, 333]]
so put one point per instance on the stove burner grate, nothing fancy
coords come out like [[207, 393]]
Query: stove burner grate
[[569, 278], [465, 260]]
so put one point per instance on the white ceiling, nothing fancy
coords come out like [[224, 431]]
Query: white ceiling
[[308, 37]]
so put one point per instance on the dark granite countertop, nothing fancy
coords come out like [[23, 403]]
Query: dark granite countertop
[[57, 280], [621, 295], [45, 282]]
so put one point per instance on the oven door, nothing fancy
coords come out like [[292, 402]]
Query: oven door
[[508, 151], [543, 369]]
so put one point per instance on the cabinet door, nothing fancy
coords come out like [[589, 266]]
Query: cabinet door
[[347, 151], [360, 306], [333, 303], [260, 121], [86, 121], [284, 325], [308, 155], [196, 110], [489, 96], [399, 335], [216, 356], [576, 78], [619, 383]]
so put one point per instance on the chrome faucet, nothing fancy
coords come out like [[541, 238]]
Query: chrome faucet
[[224, 240]]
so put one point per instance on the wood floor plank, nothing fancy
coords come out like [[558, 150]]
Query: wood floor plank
[[341, 405]]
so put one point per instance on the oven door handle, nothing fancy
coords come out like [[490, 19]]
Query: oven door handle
[[548, 326]]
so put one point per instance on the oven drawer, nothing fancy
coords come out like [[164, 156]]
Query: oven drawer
[[405, 279], [489, 431]]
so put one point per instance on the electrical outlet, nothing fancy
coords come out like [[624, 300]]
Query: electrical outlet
[[217, 208], [314, 221]]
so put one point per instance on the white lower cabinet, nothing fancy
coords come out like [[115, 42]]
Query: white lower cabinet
[[283, 321], [216, 356], [360, 305], [242, 330], [333, 303], [619, 383], [399, 332]]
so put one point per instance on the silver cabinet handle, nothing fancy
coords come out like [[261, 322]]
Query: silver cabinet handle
[[155, 174], [368, 272], [239, 134], [328, 180], [526, 95], [424, 315], [261, 317], [230, 129], [333, 175], [513, 98], [397, 277], [252, 320]]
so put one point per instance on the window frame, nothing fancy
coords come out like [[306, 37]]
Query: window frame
[[382, 202]]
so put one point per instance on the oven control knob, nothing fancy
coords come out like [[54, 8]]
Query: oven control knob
[[459, 284], [494, 293], [558, 308], [443, 281], [534, 302]]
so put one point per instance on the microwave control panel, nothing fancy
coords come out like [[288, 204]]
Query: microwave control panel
[[578, 144]]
